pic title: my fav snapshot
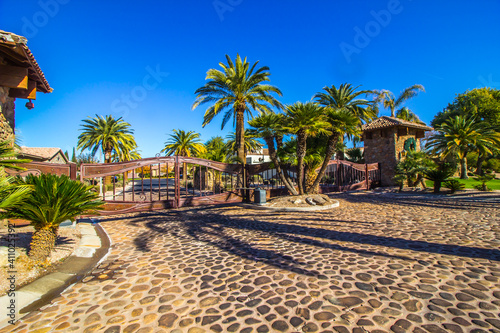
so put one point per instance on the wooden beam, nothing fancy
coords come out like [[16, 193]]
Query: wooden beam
[[29, 93], [13, 77]]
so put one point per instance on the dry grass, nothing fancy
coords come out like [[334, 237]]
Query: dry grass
[[26, 272]]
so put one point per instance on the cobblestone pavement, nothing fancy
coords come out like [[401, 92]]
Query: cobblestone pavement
[[378, 263]]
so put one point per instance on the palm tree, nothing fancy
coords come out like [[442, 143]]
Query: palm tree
[[131, 155], [390, 101], [251, 142], [303, 120], [52, 200], [345, 98], [8, 156], [345, 113], [484, 150], [408, 115], [268, 127], [110, 134], [183, 143], [458, 136], [237, 90], [216, 150]]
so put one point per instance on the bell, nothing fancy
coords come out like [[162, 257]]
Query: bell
[[30, 105]]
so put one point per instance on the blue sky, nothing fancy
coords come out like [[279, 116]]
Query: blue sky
[[144, 60]]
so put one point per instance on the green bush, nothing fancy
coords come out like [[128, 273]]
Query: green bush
[[454, 185], [483, 179], [492, 164]]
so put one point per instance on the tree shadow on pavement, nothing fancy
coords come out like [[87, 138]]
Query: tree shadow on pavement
[[234, 235], [424, 200]]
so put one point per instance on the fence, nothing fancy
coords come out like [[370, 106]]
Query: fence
[[176, 181], [37, 168]]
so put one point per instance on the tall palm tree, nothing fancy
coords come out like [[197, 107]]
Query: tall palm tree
[[304, 120], [346, 98], [109, 134], [183, 143], [251, 142], [408, 115], [126, 156], [238, 89], [458, 136], [268, 127], [216, 150], [345, 112], [388, 100]]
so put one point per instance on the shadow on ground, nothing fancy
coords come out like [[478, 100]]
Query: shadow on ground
[[207, 225]]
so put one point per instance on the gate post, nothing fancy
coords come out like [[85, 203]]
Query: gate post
[[72, 171], [177, 183], [366, 177], [246, 182]]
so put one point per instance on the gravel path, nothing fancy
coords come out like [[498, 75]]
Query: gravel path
[[378, 263]]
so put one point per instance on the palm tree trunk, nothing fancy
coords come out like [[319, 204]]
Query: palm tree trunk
[[301, 153], [42, 244], [330, 149], [274, 158], [437, 186], [107, 179], [463, 168], [479, 166], [240, 135]]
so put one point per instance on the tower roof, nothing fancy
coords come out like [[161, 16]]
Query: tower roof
[[386, 122], [14, 48]]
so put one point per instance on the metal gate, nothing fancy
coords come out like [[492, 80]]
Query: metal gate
[[339, 176], [163, 182]]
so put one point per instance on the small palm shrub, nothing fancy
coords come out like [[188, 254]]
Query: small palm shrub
[[438, 176], [412, 168], [483, 179], [8, 156], [454, 185], [10, 193], [52, 200]]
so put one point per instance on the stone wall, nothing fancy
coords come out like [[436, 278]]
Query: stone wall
[[381, 149], [400, 141], [7, 113], [386, 147]]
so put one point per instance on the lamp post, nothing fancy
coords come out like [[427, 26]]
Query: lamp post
[[100, 178]]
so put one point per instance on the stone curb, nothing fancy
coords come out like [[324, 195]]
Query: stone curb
[[93, 248], [291, 209]]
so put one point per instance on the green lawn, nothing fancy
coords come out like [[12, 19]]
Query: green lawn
[[469, 183]]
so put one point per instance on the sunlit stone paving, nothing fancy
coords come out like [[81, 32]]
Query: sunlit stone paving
[[378, 263]]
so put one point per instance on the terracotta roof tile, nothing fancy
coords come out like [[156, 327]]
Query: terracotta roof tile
[[385, 122], [46, 153]]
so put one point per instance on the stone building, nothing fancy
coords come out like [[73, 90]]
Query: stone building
[[20, 77], [387, 140]]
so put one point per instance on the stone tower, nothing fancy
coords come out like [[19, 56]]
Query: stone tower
[[387, 140]]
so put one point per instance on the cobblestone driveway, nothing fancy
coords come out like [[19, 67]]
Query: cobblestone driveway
[[378, 263]]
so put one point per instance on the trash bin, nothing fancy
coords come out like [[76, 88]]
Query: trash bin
[[259, 196]]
